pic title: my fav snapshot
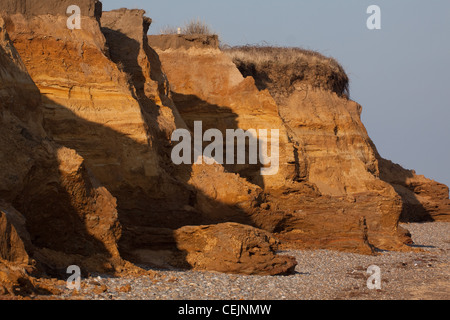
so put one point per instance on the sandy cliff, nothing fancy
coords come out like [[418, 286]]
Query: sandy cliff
[[312, 93], [111, 106], [52, 208], [208, 201], [327, 192], [423, 199], [86, 175]]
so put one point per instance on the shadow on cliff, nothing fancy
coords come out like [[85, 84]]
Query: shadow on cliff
[[395, 175], [262, 78], [124, 51], [148, 221], [57, 224], [46, 197], [148, 216], [413, 210], [212, 116]]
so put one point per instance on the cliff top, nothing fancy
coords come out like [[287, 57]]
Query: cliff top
[[179, 41], [281, 69]]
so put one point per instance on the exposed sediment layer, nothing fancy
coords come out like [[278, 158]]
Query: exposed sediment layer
[[328, 180], [312, 93], [114, 110], [88, 115], [52, 208]]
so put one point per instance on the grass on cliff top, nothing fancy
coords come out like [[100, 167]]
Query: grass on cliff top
[[279, 69], [191, 28]]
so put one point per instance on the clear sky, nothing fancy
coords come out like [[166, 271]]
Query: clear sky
[[399, 74]]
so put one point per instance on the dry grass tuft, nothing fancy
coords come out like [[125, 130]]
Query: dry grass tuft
[[193, 27], [168, 30], [282, 69]]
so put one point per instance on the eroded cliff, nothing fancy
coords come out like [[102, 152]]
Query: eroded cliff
[[53, 209], [111, 105], [312, 92], [87, 177], [327, 193]]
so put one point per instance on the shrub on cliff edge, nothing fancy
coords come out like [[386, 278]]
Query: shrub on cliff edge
[[192, 27], [281, 69]]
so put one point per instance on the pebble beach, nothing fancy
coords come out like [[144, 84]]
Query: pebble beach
[[320, 275]]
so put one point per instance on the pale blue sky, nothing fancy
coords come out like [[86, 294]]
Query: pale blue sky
[[400, 74]]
